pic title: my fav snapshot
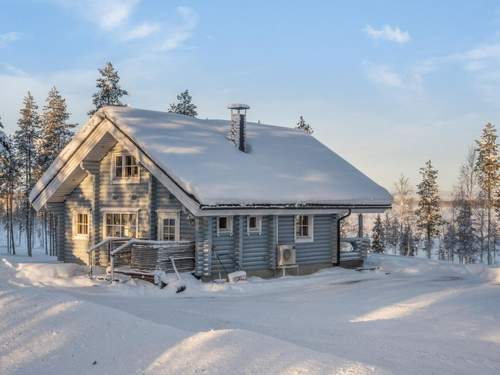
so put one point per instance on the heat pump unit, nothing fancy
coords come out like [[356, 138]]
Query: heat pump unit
[[286, 255]]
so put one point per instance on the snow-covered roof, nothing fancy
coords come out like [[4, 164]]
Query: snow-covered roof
[[283, 166]]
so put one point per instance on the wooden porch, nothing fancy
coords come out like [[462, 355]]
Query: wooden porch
[[140, 258]]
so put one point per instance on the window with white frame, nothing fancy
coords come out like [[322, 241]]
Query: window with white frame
[[168, 226], [125, 167], [304, 228], [81, 225], [120, 224], [224, 225], [254, 225]]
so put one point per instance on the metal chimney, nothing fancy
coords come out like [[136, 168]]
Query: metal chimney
[[237, 133]]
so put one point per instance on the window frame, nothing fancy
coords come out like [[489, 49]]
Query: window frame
[[119, 212], [229, 230], [258, 229], [124, 179], [310, 225], [168, 214], [76, 235]]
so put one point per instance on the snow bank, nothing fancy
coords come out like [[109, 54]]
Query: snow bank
[[54, 274], [241, 351], [51, 332], [253, 286], [428, 267]]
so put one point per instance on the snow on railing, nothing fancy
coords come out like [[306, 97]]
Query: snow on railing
[[108, 242], [135, 241]]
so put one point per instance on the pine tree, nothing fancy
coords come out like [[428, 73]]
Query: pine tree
[[465, 233], [428, 212], [110, 92], [25, 140], [303, 125], [3, 137], [378, 236], [184, 106], [56, 131], [487, 167], [450, 241], [8, 182]]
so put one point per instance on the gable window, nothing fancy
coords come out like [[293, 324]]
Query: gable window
[[304, 228], [81, 225], [125, 167], [254, 225], [224, 225], [120, 224], [168, 226]]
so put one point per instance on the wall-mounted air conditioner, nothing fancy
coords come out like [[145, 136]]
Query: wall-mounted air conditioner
[[286, 255]]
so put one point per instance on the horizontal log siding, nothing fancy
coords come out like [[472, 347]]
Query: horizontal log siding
[[124, 195], [75, 250], [166, 201], [58, 212], [224, 246], [318, 251], [202, 266], [256, 254]]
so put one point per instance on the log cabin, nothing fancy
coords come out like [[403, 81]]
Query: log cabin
[[135, 187]]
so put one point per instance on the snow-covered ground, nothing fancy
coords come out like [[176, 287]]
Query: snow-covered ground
[[410, 316]]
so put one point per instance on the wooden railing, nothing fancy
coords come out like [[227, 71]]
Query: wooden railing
[[359, 249], [149, 255], [100, 253]]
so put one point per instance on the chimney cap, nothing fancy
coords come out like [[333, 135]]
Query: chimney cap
[[238, 106]]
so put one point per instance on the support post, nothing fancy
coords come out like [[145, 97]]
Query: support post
[[360, 225]]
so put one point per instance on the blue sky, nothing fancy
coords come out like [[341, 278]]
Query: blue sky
[[386, 84]]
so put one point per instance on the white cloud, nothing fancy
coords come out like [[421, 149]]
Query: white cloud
[[182, 32], [392, 34], [8, 38], [384, 75], [142, 31], [107, 14]]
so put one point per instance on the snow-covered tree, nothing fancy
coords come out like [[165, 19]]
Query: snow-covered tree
[[487, 167], [428, 211], [56, 131], [391, 230], [407, 246], [26, 138], [304, 126], [450, 240], [465, 233], [403, 210], [403, 200], [378, 236], [8, 182], [184, 105], [110, 91]]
